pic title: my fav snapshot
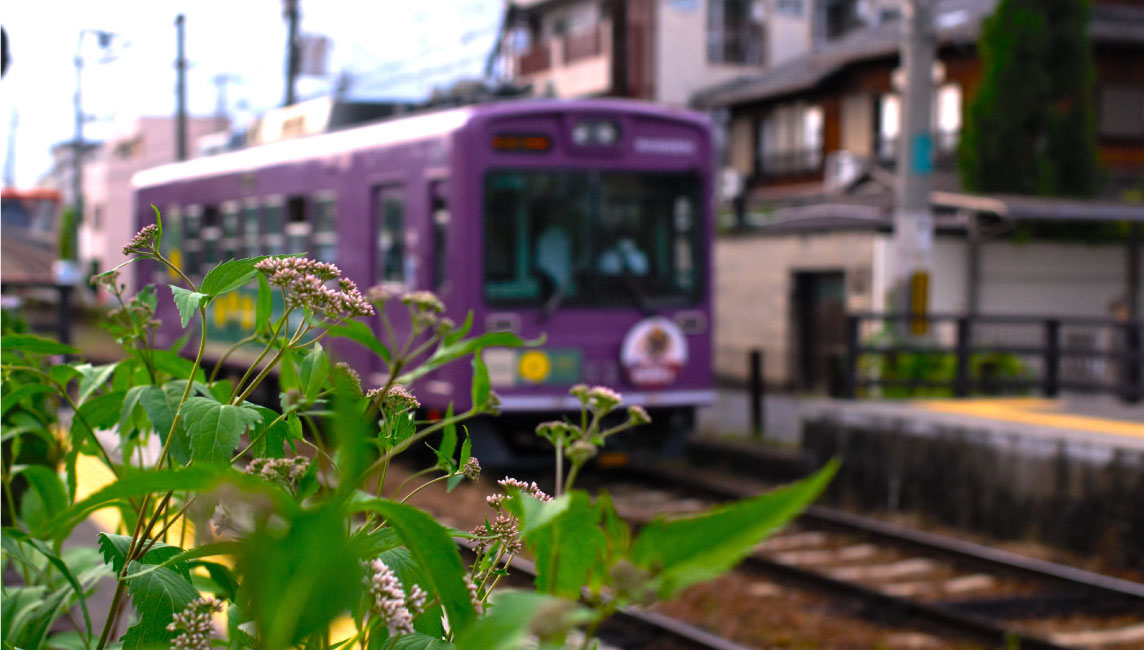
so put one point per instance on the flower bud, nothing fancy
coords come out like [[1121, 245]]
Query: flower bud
[[581, 452]]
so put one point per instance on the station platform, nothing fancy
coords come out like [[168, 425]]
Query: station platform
[[1075, 420]]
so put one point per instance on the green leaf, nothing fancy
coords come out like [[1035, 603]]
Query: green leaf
[[214, 429], [264, 307], [92, 378], [161, 480], [298, 575], [506, 625], [158, 222], [157, 592], [100, 412], [229, 275], [28, 614], [314, 372], [409, 573], [176, 366], [188, 302], [466, 451], [157, 597], [13, 398], [359, 332], [431, 545], [480, 389], [447, 353], [685, 550], [11, 535], [32, 344], [221, 577], [161, 403], [418, 641], [565, 538], [51, 492], [270, 444], [114, 550], [460, 332], [448, 442]]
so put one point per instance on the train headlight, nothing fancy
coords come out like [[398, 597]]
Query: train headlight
[[582, 134], [606, 133]]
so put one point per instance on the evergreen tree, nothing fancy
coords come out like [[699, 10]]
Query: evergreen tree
[[1030, 129]]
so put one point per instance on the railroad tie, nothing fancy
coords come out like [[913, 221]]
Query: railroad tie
[[793, 541], [826, 556], [881, 572], [1089, 638]]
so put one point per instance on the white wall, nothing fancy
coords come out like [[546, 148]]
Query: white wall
[[681, 53]]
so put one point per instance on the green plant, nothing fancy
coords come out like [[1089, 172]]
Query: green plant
[[932, 373], [287, 542]]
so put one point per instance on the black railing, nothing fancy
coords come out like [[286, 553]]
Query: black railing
[[906, 355]]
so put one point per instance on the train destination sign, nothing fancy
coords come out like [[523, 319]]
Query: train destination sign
[[533, 143]]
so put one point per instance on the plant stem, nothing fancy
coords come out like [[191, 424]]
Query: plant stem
[[226, 355], [572, 476], [559, 464], [423, 486]]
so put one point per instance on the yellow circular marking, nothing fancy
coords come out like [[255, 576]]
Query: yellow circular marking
[[535, 366]]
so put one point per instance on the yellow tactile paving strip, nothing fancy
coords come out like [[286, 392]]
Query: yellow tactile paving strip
[[1039, 412]]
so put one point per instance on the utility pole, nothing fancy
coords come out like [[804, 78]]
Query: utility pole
[[180, 92], [291, 14], [913, 219]]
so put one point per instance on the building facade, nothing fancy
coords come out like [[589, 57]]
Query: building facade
[[665, 50]]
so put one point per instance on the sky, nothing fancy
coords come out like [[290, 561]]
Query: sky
[[394, 49]]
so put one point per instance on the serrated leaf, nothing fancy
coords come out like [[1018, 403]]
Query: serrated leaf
[[157, 594], [507, 623], [100, 412], [314, 371], [565, 538], [11, 535], [92, 378], [214, 429], [188, 302], [684, 550], [271, 438], [130, 406], [161, 403], [13, 398], [229, 275], [418, 641]]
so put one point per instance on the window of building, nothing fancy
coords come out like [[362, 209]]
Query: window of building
[[947, 116], [297, 227], [439, 204], [1121, 111], [791, 139], [889, 122], [790, 7], [735, 31], [390, 229]]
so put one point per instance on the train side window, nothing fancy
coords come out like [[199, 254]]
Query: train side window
[[390, 228], [192, 242], [211, 234], [297, 227], [439, 209], [273, 237], [325, 234], [230, 220], [250, 230]]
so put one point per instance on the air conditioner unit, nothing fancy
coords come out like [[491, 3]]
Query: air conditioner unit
[[841, 169]]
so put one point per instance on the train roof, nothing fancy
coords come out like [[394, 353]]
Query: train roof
[[387, 132]]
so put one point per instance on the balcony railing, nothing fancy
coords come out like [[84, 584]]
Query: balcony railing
[[555, 53], [790, 162], [538, 59], [583, 45]]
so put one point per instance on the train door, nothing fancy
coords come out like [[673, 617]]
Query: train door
[[440, 216], [818, 313]]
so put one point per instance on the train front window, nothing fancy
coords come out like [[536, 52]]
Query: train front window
[[606, 239]]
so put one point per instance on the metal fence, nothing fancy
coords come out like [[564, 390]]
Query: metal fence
[[960, 355]]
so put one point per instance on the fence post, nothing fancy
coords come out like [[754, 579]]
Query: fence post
[[1051, 379], [1132, 365], [850, 371], [756, 393], [962, 382]]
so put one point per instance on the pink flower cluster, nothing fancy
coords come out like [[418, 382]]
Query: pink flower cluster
[[390, 602], [143, 241], [303, 283], [279, 469], [194, 624]]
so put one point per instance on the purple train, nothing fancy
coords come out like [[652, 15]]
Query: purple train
[[587, 221]]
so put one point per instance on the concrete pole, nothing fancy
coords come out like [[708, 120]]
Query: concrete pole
[[913, 219], [180, 91], [77, 151]]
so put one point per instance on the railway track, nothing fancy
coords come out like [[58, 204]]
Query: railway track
[[902, 575], [631, 628]]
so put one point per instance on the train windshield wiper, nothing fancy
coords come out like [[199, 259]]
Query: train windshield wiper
[[639, 297]]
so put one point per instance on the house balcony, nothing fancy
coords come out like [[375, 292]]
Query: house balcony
[[575, 65]]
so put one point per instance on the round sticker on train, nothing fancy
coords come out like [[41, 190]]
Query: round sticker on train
[[653, 352]]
